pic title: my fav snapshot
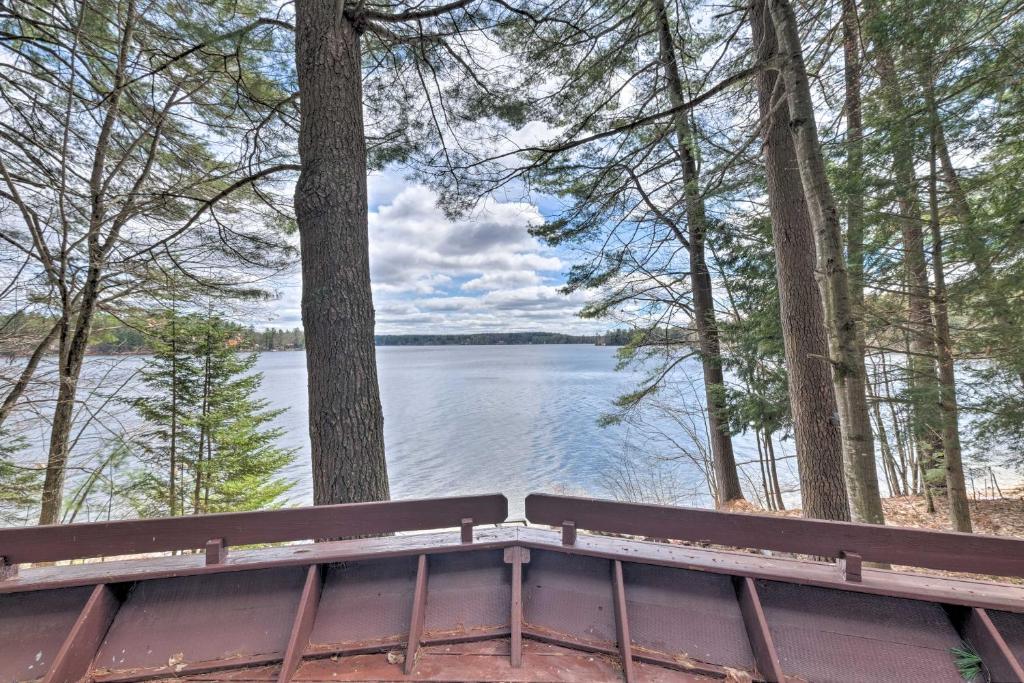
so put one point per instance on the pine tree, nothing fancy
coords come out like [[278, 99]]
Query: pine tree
[[20, 486], [207, 443]]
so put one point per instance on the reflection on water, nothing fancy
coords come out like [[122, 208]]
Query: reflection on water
[[483, 419], [460, 420]]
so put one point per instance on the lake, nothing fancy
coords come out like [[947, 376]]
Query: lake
[[474, 419], [484, 419]]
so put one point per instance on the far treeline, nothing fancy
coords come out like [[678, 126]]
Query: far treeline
[[611, 338], [826, 194], [111, 336]]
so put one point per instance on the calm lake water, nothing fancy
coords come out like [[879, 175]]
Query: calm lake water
[[471, 419], [483, 419]]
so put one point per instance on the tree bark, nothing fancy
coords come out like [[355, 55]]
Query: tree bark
[[72, 349], [700, 279], [956, 487], [847, 359], [811, 395], [854, 181], [346, 425], [922, 364]]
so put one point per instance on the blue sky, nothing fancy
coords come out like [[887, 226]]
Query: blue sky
[[431, 274]]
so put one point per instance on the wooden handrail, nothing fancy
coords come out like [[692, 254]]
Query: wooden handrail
[[20, 545], [946, 550]]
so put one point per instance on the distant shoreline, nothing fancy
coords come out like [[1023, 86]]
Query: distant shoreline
[[616, 338], [613, 338]]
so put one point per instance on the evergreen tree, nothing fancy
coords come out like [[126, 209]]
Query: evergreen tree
[[207, 444], [20, 486]]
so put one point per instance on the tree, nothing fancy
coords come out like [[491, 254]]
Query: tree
[[638, 216], [107, 187], [845, 354], [346, 422], [206, 443], [811, 395], [20, 485]]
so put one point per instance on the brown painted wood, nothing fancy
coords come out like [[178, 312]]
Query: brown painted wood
[[516, 556], [622, 623], [216, 551], [419, 610], [304, 554], [850, 566], [568, 533], [977, 628], [945, 550], [939, 589], [72, 541], [305, 615], [761, 643], [75, 656]]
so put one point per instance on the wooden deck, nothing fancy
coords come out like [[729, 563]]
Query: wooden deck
[[507, 603]]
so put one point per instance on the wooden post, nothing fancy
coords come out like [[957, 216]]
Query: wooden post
[[216, 551], [419, 611], [850, 566], [568, 533], [7, 570], [302, 625], [467, 530], [622, 623], [516, 556], [75, 656], [761, 643]]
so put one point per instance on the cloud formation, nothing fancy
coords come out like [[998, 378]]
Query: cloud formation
[[432, 274]]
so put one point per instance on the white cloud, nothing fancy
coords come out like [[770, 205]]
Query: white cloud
[[432, 274]]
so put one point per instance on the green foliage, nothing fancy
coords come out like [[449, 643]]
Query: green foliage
[[20, 484], [205, 432], [967, 661]]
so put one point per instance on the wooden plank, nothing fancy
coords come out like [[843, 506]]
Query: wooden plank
[[939, 589], [302, 625], [72, 541], [622, 623], [977, 628], [760, 637], [299, 554], [419, 610], [977, 553], [79, 649], [516, 556]]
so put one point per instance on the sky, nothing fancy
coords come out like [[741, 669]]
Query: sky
[[434, 275]]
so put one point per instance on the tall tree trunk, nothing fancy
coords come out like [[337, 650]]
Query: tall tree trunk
[[811, 395], [346, 425], [774, 470], [703, 295], [956, 487], [73, 348], [927, 420], [846, 356], [854, 181]]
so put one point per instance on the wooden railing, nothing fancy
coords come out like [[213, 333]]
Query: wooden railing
[[849, 542], [215, 532]]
